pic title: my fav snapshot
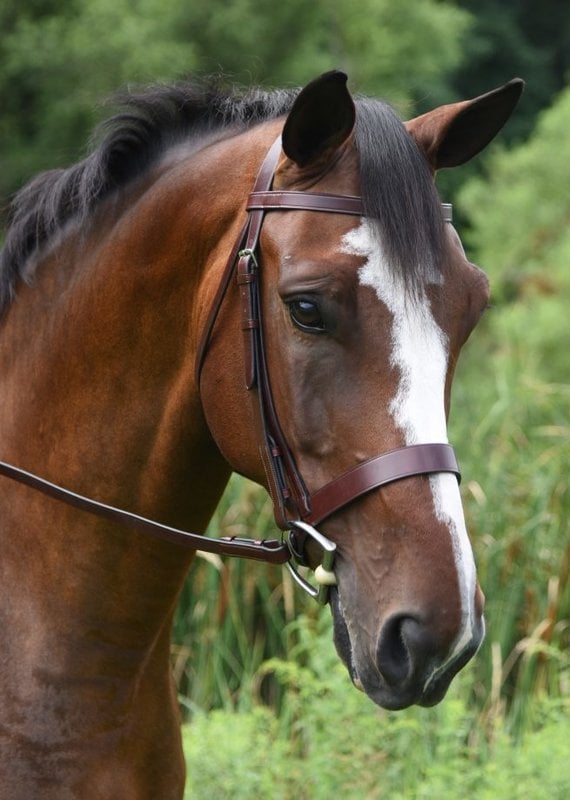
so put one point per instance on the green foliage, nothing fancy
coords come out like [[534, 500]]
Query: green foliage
[[240, 756], [58, 61], [289, 43], [520, 210], [329, 741], [525, 38], [235, 755]]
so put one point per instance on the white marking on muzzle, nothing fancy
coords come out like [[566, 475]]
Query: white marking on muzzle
[[418, 407]]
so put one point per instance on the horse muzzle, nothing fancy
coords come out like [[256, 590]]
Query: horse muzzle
[[408, 665]]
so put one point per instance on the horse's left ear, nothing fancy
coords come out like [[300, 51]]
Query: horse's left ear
[[321, 119], [451, 135]]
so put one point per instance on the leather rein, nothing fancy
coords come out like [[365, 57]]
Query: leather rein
[[295, 509]]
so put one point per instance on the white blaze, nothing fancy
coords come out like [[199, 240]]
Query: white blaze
[[421, 357]]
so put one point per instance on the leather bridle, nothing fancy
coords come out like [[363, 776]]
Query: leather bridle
[[296, 510]]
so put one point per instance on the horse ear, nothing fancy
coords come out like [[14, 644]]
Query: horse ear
[[450, 135], [322, 118]]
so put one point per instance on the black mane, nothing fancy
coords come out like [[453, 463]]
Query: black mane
[[397, 188]]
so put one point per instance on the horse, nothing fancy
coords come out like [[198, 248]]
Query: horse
[[255, 281]]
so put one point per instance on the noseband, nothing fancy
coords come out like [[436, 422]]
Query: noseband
[[295, 509]]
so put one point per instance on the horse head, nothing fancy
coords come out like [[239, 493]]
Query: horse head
[[364, 317]]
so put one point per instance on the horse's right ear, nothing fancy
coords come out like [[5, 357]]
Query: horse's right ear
[[321, 119]]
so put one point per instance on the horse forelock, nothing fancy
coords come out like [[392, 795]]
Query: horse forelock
[[399, 195], [397, 188]]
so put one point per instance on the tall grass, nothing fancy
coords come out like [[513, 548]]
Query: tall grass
[[513, 416], [516, 459], [234, 614]]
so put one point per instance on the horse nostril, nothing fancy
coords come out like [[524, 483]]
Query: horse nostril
[[404, 649]]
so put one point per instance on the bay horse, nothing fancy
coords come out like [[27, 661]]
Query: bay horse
[[263, 282]]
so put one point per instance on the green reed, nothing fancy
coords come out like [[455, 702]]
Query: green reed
[[513, 418], [516, 459], [233, 614]]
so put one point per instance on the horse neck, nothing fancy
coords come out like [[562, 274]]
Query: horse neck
[[97, 363]]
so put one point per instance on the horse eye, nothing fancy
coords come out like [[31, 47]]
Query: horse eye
[[306, 316]]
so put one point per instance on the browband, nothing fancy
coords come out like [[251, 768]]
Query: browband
[[305, 201]]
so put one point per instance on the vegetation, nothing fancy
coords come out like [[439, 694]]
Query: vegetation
[[520, 445], [329, 741], [59, 60], [272, 711]]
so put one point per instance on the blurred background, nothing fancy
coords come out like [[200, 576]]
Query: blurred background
[[270, 710]]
